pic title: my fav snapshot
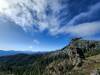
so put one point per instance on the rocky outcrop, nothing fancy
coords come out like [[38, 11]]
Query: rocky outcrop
[[95, 72], [58, 68], [76, 52]]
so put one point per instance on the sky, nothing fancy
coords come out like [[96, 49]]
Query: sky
[[47, 25]]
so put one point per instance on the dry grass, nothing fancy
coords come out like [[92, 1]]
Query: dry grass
[[90, 64]]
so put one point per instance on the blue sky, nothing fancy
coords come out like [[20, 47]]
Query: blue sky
[[47, 25]]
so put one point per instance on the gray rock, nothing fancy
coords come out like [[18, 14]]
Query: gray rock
[[95, 72]]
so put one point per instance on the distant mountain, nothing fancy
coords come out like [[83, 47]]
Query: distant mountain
[[65, 61], [12, 52]]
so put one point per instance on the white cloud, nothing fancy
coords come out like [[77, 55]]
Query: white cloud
[[33, 13], [28, 13], [82, 30], [36, 42], [18, 13], [3, 5], [91, 14]]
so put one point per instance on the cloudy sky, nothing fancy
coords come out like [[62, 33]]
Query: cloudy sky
[[46, 25]]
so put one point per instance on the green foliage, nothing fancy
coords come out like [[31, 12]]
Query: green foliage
[[92, 53]]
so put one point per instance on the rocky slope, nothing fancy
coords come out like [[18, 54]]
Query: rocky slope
[[70, 67]]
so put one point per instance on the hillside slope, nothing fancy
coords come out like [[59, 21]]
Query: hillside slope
[[91, 66]]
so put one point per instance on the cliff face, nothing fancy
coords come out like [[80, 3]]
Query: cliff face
[[89, 47]]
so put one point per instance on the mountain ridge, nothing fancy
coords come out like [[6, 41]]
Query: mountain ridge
[[12, 52]]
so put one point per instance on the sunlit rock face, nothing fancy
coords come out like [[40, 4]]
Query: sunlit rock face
[[67, 60]]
